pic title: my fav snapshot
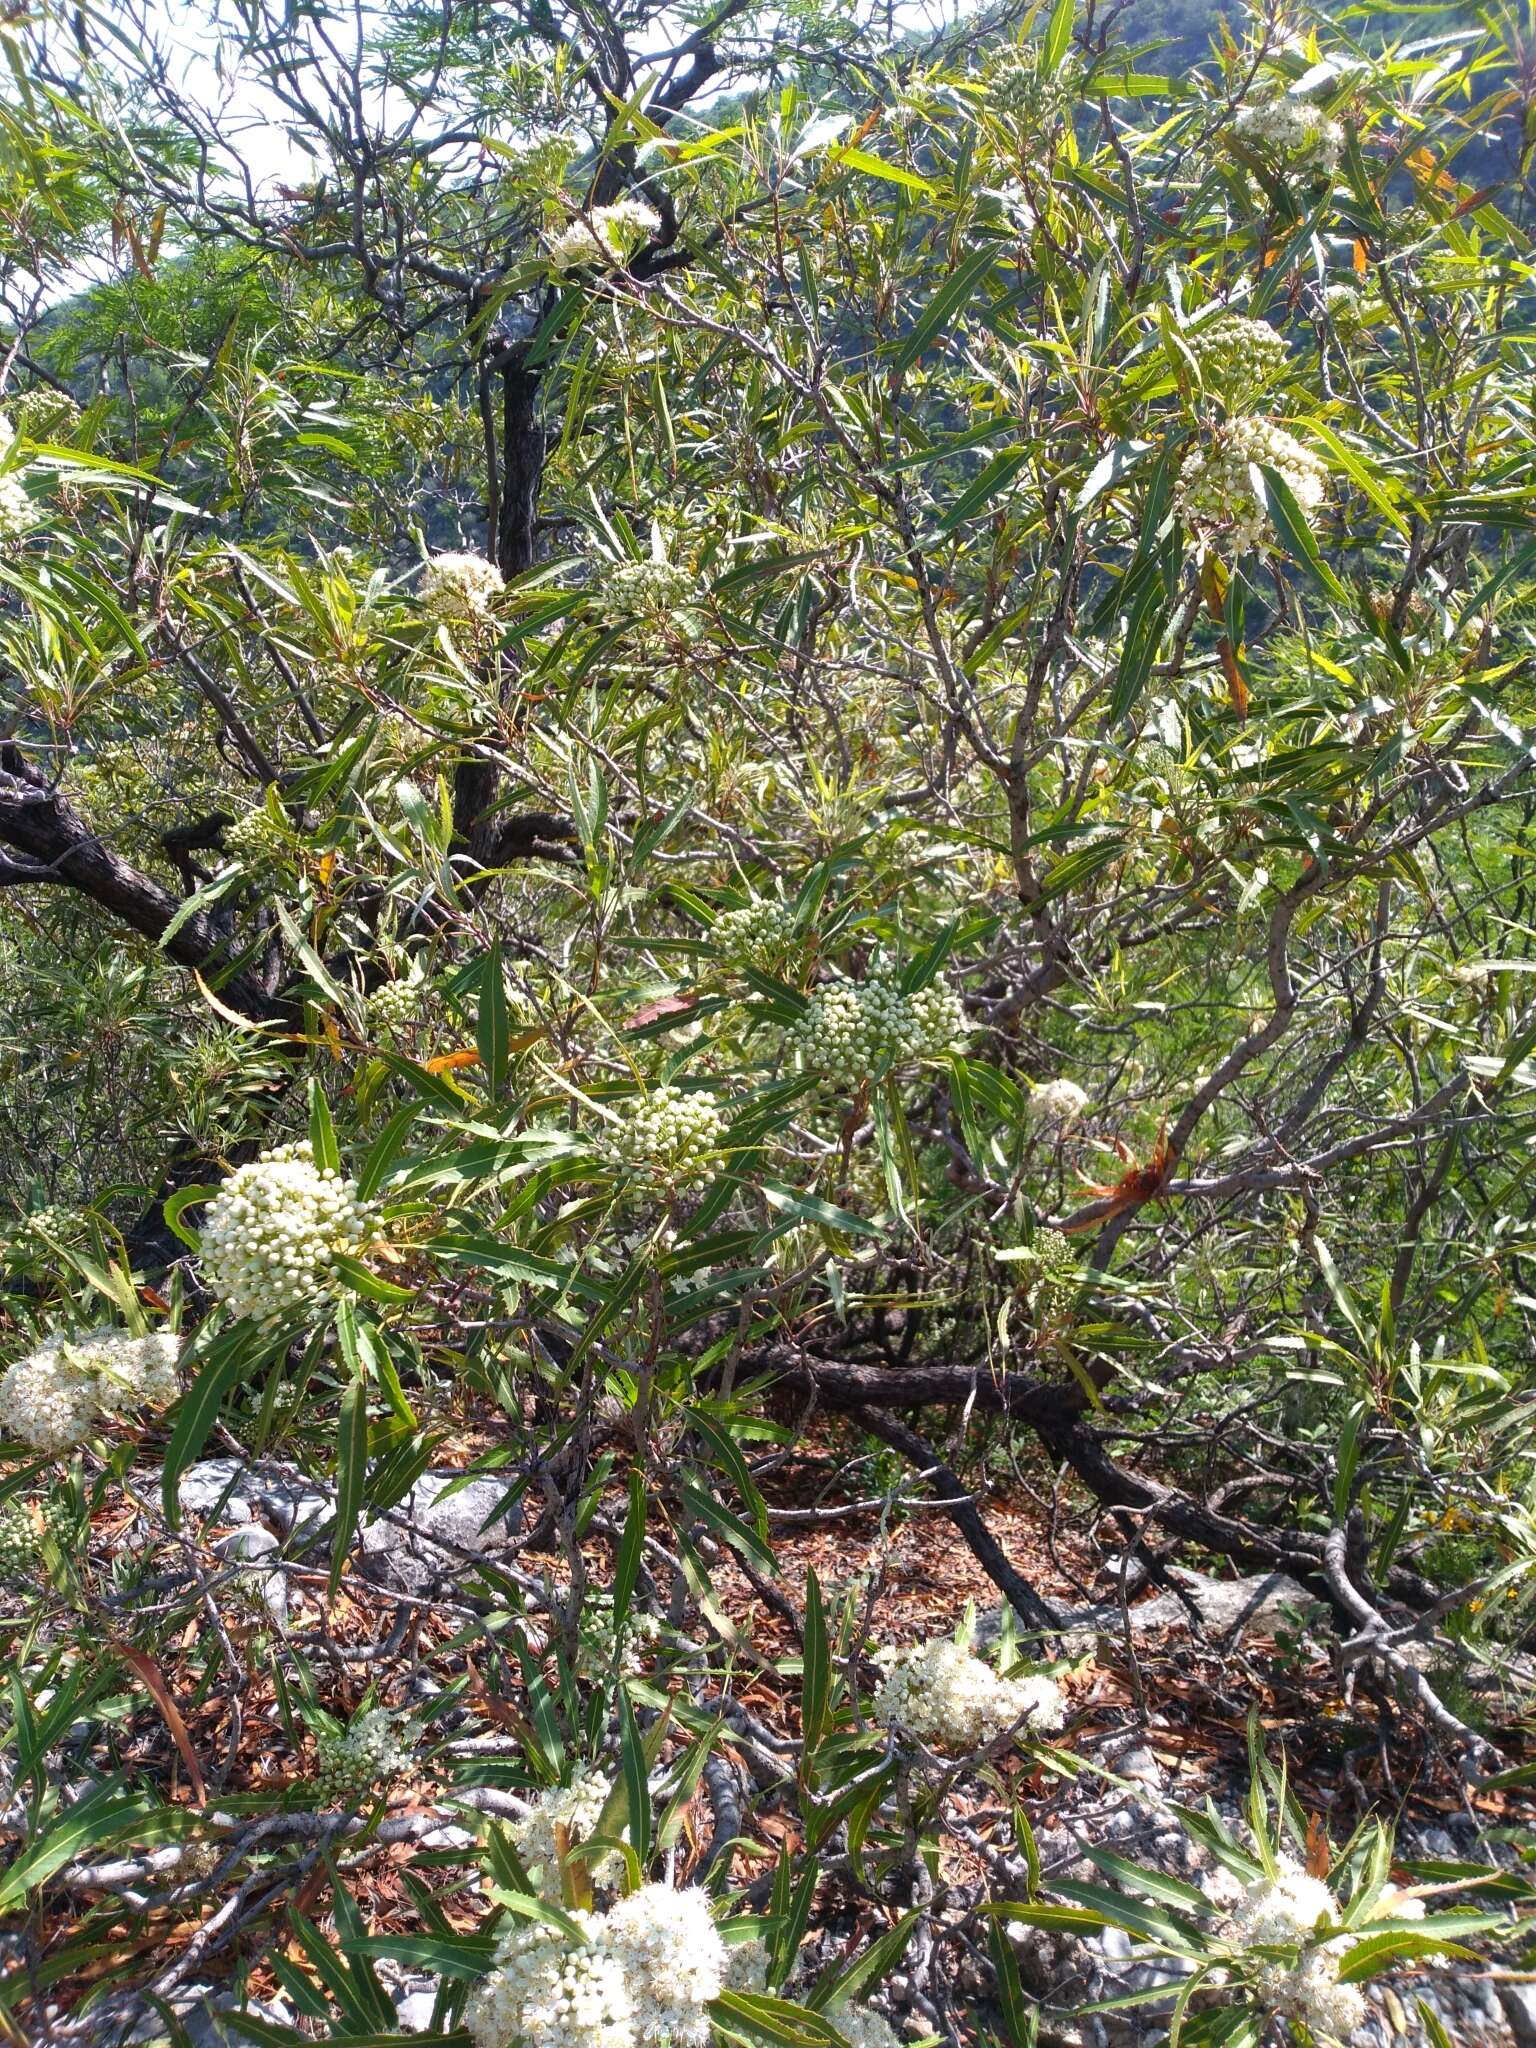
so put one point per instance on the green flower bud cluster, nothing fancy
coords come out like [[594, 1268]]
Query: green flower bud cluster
[[1020, 85], [372, 1751], [670, 1137], [33, 1232], [42, 415], [760, 932], [1236, 354], [16, 513], [852, 1028], [394, 1006], [23, 1526], [1050, 1277], [651, 589], [258, 843]]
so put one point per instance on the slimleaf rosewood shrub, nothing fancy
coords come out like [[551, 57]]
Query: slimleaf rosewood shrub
[[876, 698]]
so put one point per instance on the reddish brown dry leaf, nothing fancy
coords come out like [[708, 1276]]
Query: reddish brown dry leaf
[[149, 1673], [665, 1006], [1137, 1185]]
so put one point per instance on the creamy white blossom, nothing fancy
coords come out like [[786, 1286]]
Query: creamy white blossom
[[863, 2027], [16, 513], [1292, 129], [1283, 1909], [641, 1977], [55, 1396], [1057, 1102], [543, 1991], [1220, 489], [274, 1231], [673, 1961], [575, 1809], [460, 589], [670, 1136], [602, 238], [950, 1699]]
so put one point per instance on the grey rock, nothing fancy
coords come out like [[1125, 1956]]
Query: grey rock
[[447, 1530], [236, 1491], [414, 2008], [1519, 2003]]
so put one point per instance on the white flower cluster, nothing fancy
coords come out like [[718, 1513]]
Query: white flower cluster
[[273, 1232], [1057, 1102], [852, 1027], [605, 237], [373, 1749], [1218, 487], [576, 1809], [16, 513], [944, 1696], [653, 588], [55, 1396], [1294, 1910], [460, 589], [1236, 353], [760, 932], [1292, 129], [642, 1977], [669, 1136]]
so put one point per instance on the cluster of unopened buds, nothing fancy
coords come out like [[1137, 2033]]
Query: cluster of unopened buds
[[273, 1233], [1292, 129], [24, 1527], [394, 1006], [669, 1136], [55, 1396], [653, 588], [1221, 493], [760, 932], [1237, 354], [1050, 1277], [374, 1749], [944, 1696], [604, 237], [851, 1029], [258, 842]]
